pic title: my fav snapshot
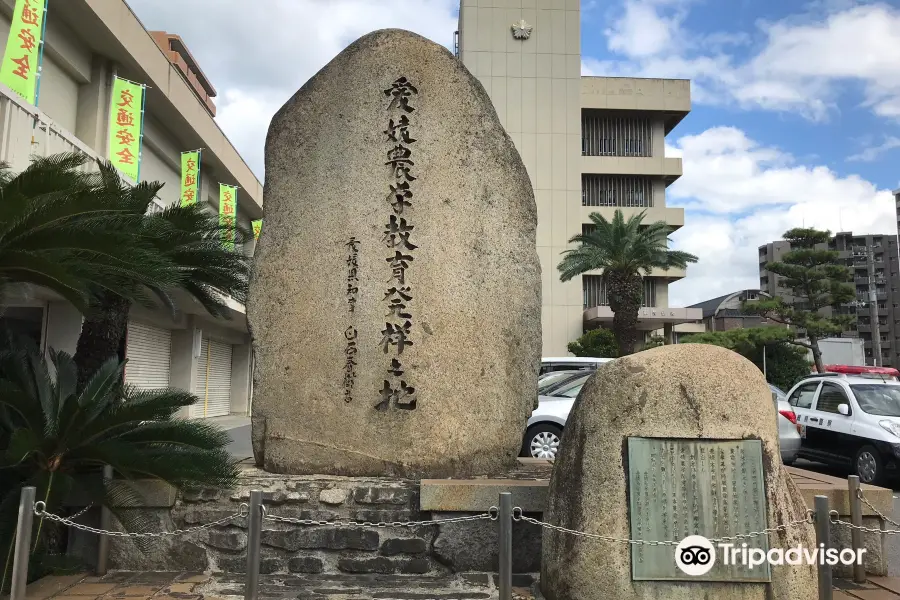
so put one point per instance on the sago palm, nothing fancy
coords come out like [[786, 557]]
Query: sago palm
[[58, 232], [625, 251], [185, 236], [58, 439]]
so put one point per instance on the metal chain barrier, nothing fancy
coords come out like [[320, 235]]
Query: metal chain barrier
[[519, 516], [492, 515], [40, 511], [834, 519], [81, 512], [860, 495]]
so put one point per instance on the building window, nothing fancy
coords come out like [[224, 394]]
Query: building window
[[602, 190], [605, 134], [595, 292]]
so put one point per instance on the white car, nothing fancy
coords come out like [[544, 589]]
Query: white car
[[570, 363], [556, 395], [850, 421]]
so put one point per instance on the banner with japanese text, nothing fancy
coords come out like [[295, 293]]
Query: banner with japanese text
[[257, 228], [125, 127], [21, 61], [190, 177], [227, 212]]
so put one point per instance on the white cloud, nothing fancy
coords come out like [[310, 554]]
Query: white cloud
[[805, 64], [871, 152], [257, 59], [642, 30], [740, 194]]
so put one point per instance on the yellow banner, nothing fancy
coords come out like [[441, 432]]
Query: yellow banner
[[227, 213], [22, 58], [190, 177], [257, 228], [125, 127]]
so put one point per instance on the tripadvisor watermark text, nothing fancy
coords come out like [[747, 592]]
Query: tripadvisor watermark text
[[695, 555]]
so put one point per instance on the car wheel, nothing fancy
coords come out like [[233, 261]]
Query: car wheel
[[869, 466], [788, 463], [542, 441]]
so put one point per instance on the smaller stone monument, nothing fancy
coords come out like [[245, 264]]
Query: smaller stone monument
[[662, 445]]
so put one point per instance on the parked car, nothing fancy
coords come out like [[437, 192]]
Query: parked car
[[557, 392], [544, 430], [850, 421], [788, 430], [568, 363], [549, 381]]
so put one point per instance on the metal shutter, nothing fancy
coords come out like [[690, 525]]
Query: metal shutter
[[213, 380], [149, 351]]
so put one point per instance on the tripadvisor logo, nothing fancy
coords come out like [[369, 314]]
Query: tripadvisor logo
[[695, 555]]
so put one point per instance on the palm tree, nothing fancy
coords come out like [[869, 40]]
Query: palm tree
[[58, 439], [58, 232], [626, 251], [189, 239]]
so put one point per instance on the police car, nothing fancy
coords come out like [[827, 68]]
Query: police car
[[851, 419]]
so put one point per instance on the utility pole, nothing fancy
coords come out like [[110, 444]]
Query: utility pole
[[873, 306]]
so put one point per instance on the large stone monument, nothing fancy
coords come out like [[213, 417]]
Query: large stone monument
[[395, 298], [671, 442]]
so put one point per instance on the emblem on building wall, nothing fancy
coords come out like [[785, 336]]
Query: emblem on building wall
[[521, 30]]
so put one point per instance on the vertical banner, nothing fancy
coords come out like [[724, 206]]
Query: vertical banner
[[21, 61], [126, 118], [190, 177], [227, 211], [257, 228]]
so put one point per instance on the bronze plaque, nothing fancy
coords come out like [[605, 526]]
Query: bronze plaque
[[681, 487]]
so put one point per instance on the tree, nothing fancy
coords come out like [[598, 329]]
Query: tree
[[58, 233], [596, 343], [655, 341], [191, 241], [784, 363], [58, 439], [816, 281], [625, 251]]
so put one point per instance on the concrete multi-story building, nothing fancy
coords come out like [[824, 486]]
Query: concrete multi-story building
[[87, 44], [590, 144], [874, 262]]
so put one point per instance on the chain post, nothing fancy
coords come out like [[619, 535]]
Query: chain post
[[505, 540], [823, 541], [23, 544], [856, 536], [106, 525], [254, 535]]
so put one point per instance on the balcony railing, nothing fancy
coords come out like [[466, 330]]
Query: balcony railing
[[26, 132], [595, 292], [605, 135], [603, 190]]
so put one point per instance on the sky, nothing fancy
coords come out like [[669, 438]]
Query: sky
[[795, 118]]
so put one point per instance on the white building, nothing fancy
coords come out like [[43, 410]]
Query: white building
[[590, 144], [87, 44]]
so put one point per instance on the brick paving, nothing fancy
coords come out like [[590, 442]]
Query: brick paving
[[122, 585], [876, 588]]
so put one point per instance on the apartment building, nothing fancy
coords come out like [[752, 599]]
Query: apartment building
[[590, 144], [88, 43], [874, 262]]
